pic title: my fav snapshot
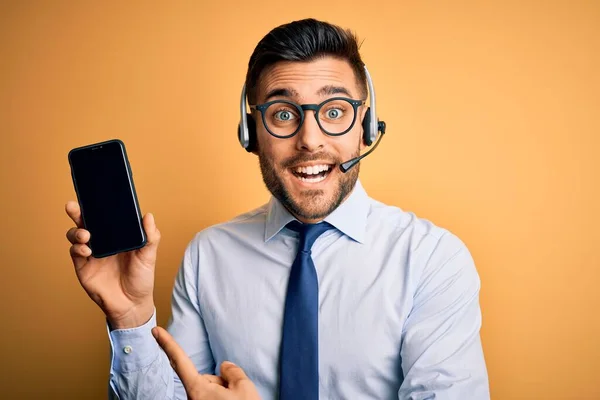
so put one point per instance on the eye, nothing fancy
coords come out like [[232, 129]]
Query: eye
[[334, 113], [284, 115]]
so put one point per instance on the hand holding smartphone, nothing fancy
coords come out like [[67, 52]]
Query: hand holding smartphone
[[113, 248]]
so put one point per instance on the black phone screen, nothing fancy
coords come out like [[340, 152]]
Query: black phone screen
[[107, 198]]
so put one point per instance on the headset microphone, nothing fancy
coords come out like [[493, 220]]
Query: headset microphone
[[344, 167]]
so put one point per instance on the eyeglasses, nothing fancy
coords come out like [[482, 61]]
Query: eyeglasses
[[283, 119]]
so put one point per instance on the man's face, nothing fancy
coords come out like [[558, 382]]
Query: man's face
[[303, 171]]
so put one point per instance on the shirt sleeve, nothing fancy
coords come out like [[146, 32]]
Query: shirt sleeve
[[139, 367], [442, 355]]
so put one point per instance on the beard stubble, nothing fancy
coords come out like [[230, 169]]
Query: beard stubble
[[313, 205]]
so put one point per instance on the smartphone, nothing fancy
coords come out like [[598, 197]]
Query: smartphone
[[106, 194]]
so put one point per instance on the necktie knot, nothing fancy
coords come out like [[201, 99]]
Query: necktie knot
[[308, 233]]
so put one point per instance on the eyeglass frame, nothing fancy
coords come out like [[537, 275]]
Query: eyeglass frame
[[316, 108]]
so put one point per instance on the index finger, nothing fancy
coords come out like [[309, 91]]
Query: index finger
[[180, 362], [74, 212]]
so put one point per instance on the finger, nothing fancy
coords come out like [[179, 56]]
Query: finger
[[74, 212], [181, 363], [232, 373], [79, 254], [217, 380], [77, 235]]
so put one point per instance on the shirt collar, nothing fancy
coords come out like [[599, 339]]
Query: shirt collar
[[350, 217]]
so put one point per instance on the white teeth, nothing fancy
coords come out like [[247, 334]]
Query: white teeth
[[313, 169], [312, 180]]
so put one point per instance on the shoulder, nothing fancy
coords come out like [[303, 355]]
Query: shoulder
[[225, 236], [409, 225], [433, 257], [248, 225], [217, 241], [426, 242]]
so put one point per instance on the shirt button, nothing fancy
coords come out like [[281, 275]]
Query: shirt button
[[127, 349]]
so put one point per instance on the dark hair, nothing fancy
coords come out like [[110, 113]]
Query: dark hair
[[304, 40]]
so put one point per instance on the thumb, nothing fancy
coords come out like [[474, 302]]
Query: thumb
[[233, 374], [148, 252]]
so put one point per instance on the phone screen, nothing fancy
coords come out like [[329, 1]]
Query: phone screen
[[107, 198]]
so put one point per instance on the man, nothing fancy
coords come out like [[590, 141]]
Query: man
[[322, 292]]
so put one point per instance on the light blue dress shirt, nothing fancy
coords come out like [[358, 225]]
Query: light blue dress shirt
[[399, 314]]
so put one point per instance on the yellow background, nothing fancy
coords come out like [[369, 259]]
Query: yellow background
[[493, 125]]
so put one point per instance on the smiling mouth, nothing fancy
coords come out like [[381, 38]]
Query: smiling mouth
[[313, 173]]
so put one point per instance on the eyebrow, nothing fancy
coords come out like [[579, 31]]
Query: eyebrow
[[330, 89], [282, 92], [324, 91]]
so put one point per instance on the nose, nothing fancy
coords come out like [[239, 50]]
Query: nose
[[310, 137]]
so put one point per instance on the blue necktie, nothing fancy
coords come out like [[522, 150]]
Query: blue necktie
[[299, 365]]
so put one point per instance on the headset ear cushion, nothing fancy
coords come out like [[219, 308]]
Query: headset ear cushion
[[366, 125], [252, 142]]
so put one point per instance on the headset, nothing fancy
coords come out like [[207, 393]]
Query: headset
[[370, 124]]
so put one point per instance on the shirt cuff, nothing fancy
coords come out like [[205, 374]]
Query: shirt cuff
[[135, 348]]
